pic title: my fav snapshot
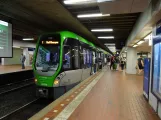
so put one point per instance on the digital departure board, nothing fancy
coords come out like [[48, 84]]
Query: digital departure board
[[5, 39]]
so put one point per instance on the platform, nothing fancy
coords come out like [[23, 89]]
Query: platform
[[13, 68], [109, 95]]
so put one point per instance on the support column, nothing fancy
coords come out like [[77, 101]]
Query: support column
[[131, 60]]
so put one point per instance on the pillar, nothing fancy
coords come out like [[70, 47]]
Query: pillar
[[131, 60]]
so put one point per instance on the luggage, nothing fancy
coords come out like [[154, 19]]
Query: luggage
[[114, 66]]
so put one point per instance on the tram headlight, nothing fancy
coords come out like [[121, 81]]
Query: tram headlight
[[35, 80], [56, 82]]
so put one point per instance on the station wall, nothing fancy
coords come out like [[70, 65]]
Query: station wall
[[16, 58], [19, 48]]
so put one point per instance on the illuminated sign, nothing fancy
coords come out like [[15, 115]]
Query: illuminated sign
[[50, 42]]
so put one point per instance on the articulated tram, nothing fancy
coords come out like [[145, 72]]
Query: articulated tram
[[62, 60]]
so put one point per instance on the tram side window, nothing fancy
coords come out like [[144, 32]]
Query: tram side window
[[76, 57], [94, 57], [81, 57], [90, 58], [67, 57], [87, 57], [84, 57]]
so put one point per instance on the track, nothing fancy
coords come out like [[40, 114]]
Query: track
[[18, 109], [18, 101], [28, 110], [15, 86]]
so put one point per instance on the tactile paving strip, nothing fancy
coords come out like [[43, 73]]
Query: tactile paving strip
[[61, 106]]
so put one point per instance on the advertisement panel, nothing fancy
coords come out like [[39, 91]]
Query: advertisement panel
[[146, 77]]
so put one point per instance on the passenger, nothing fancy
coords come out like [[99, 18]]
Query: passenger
[[112, 62], [108, 62], [140, 64], [100, 63], [122, 64], [23, 58], [117, 63]]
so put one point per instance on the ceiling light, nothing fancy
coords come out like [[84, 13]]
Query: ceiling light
[[28, 38], [147, 37], [72, 2], [92, 15], [109, 44], [102, 30], [104, 1], [135, 45], [140, 42], [75, 2], [16, 47], [106, 37]]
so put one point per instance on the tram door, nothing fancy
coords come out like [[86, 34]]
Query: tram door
[[72, 65]]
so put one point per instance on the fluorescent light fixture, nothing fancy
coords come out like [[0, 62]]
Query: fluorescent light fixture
[[92, 15], [102, 30], [72, 2], [28, 38], [106, 37], [147, 37], [111, 44], [104, 1], [140, 42], [16, 47], [75, 2], [135, 45]]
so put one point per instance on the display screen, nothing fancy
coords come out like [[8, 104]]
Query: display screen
[[156, 69], [5, 39], [50, 42]]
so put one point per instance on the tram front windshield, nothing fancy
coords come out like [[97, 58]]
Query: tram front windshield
[[48, 55]]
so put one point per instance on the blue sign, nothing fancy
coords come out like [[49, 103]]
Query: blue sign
[[146, 77]]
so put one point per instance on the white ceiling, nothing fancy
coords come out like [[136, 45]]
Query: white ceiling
[[123, 6]]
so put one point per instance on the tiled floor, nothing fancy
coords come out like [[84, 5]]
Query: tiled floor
[[115, 97], [12, 68]]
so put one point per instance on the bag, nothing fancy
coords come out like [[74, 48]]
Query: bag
[[114, 66]]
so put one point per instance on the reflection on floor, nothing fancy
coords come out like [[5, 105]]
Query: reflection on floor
[[12, 68]]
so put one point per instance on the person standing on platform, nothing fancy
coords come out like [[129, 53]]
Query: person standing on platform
[[108, 62], [117, 63], [140, 64], [23, 58], [112, 62], [122, 64], [100, 63]]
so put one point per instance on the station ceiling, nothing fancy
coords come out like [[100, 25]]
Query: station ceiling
[[33, 17]]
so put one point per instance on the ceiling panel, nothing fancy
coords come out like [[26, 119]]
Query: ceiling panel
[[123, 6], [121, 19], [53, 15], [139, 5]]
